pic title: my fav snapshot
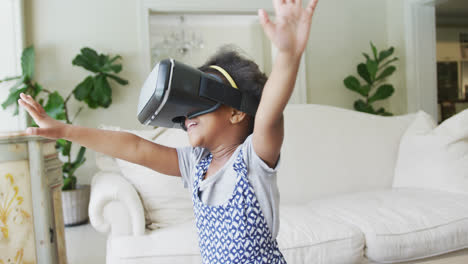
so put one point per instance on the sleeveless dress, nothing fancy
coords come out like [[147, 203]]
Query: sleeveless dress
[[235, 232]]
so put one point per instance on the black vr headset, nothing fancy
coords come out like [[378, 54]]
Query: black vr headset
[[174, 91]]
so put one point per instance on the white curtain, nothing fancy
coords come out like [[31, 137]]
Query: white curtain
[[11, 30]]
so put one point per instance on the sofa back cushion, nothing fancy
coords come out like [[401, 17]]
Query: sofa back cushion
[[329, 150], [165, 200], [434, 157], [326, 150]]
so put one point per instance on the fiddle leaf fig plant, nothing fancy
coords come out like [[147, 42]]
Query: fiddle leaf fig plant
[[95, 91], [24, 82], [374, 71]]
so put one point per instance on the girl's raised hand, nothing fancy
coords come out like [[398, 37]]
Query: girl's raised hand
[[48, 127], [290, 31]]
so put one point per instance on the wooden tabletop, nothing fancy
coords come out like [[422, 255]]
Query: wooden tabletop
[[19, 136]]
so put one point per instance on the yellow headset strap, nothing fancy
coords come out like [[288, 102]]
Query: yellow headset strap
[[225, 74]]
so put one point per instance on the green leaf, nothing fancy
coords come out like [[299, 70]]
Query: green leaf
[[55, 106], [372, 67], [361, 106], [80, 60], [13, 97], [114, 59], [7, 79], [102, 92], [385, 54], [16, 85], [63, 146], [116, 68], [69, 183], [382, 112], [37, 88], [353, 84], [374, 51], [366, 89], [88, 59], [84, 88], [364, 73], [27, 62], [107, 65], [117, 79], [91, 103], [80, 160], [366, 56], [385, 73], [388, 62], [102, 60], [90, 54], [81, 153], [383, 92]]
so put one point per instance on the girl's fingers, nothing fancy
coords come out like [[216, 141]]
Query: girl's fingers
[[43, 132], [32, 102], [268, 26], [311, 6], [28, 108], [27, 103], [277, 4], [35, 104]]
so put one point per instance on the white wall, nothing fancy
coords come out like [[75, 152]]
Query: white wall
[[396, 38], [10, 51], [341, 31], [59, 29]]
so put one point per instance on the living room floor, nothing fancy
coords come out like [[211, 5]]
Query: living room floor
[[85, 245]]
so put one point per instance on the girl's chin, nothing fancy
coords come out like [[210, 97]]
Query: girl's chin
[[194, 141]]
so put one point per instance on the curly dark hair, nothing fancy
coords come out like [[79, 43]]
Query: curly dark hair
[[244, 71]]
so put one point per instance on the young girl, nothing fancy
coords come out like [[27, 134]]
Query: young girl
[[231, 164]]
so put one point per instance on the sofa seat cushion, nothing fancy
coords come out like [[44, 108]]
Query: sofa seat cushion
[[176, 243], [307, 237], [304, 237], [403, 224]]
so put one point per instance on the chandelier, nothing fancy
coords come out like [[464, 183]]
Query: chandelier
[[178, 44]]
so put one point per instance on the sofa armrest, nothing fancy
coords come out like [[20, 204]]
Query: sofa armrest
[[115, 206]]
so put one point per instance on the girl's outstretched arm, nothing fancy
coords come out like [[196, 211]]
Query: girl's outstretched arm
[[289, 33], [122, 145]]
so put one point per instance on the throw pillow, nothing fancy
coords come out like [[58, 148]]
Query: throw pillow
[[434, 157], [164, 197]]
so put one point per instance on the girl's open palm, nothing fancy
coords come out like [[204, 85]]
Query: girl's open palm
[[290, 31], [48, 127]]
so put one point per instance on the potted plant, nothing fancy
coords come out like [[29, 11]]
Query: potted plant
[[374, 71], [95, 91]]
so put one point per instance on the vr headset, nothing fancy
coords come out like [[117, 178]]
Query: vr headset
[[174, 91]]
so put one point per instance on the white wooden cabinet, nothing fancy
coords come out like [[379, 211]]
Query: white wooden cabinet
[[31, 221]]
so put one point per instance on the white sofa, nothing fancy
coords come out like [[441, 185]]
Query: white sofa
[[346, 197]]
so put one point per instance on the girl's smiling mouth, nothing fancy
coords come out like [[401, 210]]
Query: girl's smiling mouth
[[189, 124]]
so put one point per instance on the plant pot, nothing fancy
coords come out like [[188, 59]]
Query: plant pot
[[75, 205]]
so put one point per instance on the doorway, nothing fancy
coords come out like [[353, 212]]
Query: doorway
[[452, 57]]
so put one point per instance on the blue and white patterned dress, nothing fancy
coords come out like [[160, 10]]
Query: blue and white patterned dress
[[235, 232]]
